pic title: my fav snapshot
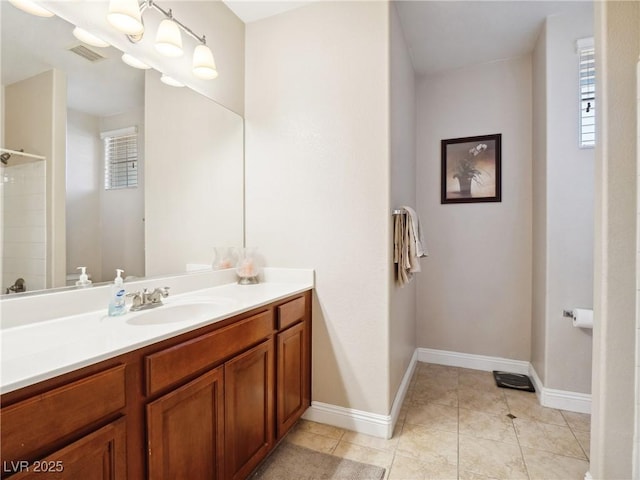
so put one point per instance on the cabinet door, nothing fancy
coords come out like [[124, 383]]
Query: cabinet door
[[292, 375], [185, 431], [101, 455], [249, 392]]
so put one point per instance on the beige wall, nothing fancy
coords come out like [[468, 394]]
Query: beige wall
[[562, 209], [539, 214], [317, 180], [402, 322], [193, 171], [618, 43], [475, 294], [84, 182], [46, 114], [122, 239]]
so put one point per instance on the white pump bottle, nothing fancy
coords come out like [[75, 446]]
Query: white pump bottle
[[116, 299], [83, 281]]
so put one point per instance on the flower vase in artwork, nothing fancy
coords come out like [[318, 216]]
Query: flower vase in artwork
[[465, 186]]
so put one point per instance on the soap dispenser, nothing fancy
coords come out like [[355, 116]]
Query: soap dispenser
[[116, 299], [84, 278]]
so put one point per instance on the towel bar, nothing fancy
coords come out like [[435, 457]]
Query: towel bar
[[399, 211]]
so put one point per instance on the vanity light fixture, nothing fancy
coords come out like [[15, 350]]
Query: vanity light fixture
[[204, 66], [168, 36], [31, 7], [126, 16], [167, 80], [89, 38], [134, 62]]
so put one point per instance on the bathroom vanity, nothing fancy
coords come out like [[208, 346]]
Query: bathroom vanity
[[209, 401]]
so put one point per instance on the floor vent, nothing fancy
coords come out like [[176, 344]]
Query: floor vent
[[516, 381], [86, 53]]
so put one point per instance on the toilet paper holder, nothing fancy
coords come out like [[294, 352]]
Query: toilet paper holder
[[567, 313]]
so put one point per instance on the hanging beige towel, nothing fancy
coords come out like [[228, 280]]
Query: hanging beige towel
[[418, 238], [408, 245]]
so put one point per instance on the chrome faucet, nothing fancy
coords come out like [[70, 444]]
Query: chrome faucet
[[147, 299]]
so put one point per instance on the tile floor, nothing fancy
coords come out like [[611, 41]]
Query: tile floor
[[456, 424]]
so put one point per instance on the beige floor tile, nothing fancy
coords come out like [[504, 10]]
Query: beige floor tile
[[441, 395], [584, 439], [548, 466], [437, 378], [488, 401], [556, 439], [438, 369], [408, 468], [492, 459], [320, 429], [372, 456], [454, 414], [485, 425], [525, 405], [579, 422], [477, 379], [464, 475], [434, 416], [431, 446], [373, 442], [312, 441]]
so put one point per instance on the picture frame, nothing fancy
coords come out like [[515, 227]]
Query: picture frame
[[471, 169]]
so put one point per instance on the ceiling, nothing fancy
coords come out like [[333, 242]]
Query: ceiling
[[31, 45], [444, 35]]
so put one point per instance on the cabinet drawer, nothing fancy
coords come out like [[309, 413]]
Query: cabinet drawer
[[169, 366], [291, 312], [38, 422]]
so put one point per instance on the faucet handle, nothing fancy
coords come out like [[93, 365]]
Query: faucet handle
[[137, 298]]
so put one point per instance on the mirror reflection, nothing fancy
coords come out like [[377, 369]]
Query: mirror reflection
[[111, 171]]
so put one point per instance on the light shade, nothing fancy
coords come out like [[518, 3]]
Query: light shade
[[170, 81], [134, 62], [168, 39], [204, 66], [31, 7], [125, 16], [89, 38]]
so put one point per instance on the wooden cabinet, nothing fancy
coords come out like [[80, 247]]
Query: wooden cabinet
[[293, 395], [36, 426], [206, 404], [185, 431], [249, 392], [97, 456]]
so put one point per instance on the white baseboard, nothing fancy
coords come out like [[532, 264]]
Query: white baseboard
[[349, 418], [560, 399], [402, 392], [382, 425], [358, 420], [475, 362]]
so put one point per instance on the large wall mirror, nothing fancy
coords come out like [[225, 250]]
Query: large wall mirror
[[71, 108]]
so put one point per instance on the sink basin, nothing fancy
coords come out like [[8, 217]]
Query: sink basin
[[176, 312]]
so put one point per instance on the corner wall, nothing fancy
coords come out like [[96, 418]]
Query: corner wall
[[474, 296], [317, 182], [402, 322], [562, 208]]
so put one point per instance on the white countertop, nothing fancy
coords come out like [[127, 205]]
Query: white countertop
[[41, 350]]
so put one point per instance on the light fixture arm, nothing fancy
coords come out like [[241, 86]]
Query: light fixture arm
[[169, 14]]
